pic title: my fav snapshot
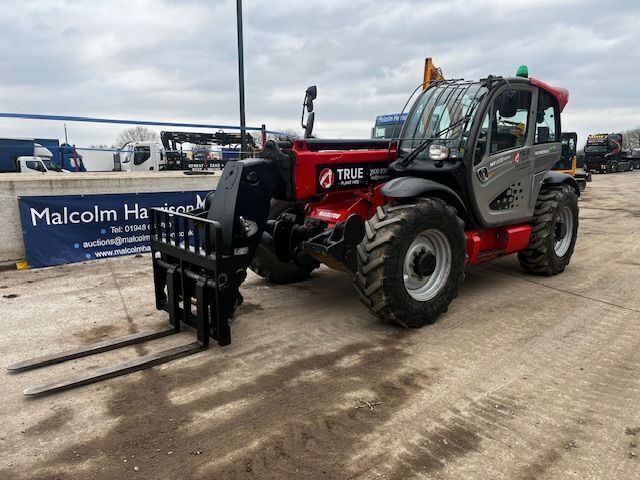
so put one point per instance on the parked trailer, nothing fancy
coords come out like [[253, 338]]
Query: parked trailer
[[634, 157]]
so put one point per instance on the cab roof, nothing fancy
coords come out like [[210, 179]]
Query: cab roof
[[561, 94]]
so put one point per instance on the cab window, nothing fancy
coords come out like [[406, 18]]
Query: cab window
[[510, 132], [547, 119], [141, 155], [503, 133], [33, 165]]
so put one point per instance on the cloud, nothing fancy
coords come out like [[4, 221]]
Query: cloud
[[176, 61]]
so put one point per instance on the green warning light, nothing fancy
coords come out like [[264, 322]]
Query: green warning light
[[523, 71]]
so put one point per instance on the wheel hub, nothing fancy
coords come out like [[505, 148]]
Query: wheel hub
[[424, 263], [563, 231], [427, 264]]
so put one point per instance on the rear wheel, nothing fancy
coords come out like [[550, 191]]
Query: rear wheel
[[614, 167], [411, 262], [265, 262], [554, 229]]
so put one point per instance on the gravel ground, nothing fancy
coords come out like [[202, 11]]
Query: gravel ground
[[524, 377]]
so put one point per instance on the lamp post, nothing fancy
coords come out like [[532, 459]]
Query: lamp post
[[243, 133]]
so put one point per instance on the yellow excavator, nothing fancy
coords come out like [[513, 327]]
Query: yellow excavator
[[431, 73]]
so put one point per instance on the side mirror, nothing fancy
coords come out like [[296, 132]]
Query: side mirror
[[508, 104], [308, 129], [310, 96]]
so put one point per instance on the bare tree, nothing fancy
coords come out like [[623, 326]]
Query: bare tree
[[137, 134], [631, 139]]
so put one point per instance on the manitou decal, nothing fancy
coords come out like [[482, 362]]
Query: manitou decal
[[328, 214], [345, 176]]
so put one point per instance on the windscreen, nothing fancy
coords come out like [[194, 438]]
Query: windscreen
[[595, 149], [387, 131], [50, 165], [443, 113]]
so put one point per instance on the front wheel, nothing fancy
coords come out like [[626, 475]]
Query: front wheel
[[554, 229], [411, 261], [614, 168]]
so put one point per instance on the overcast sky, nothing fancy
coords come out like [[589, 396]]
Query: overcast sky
[[176, 60]]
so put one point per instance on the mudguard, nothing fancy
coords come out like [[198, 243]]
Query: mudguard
[[407, 187], [553, 178]]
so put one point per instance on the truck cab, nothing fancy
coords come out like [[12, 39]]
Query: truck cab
[[388, 126], [140, 157], [603, 153], [36, 165]]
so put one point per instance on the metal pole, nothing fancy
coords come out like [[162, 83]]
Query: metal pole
[[66, 140], [243, 132]]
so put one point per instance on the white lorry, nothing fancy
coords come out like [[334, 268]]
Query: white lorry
[[35, 165], [139, 157]]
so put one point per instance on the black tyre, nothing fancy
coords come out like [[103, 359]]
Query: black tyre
[[411, 261], [582, 184], [266, 264], [614, 167], [554, 229]]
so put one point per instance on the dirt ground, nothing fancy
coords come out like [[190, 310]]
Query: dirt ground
[[524, 377]]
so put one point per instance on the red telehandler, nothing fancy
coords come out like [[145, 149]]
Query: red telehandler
[[468, 181]]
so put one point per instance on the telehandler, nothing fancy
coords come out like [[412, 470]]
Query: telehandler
[[468, 181]]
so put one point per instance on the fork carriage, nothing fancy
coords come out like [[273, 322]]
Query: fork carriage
[[189, 269]]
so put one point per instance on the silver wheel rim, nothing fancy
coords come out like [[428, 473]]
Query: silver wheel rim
[[425, 287], [561, 246]]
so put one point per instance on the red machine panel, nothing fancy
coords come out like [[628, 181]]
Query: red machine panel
[[330, 171]]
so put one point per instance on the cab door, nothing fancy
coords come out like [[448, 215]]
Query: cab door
[[502, 169]]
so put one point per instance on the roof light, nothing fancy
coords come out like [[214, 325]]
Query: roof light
[[523, 71]]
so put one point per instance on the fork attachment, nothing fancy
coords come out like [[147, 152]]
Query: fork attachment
[[198, 259]]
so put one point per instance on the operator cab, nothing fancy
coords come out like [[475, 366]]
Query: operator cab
[[490, 141], [569, 151]]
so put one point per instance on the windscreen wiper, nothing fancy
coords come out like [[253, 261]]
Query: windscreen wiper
[[453, 125], [416, 151], [412, 156]]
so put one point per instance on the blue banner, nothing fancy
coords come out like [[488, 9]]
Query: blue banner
[[391, 118], [74, 228]]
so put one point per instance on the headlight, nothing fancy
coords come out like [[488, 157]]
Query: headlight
[[438, 152]]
